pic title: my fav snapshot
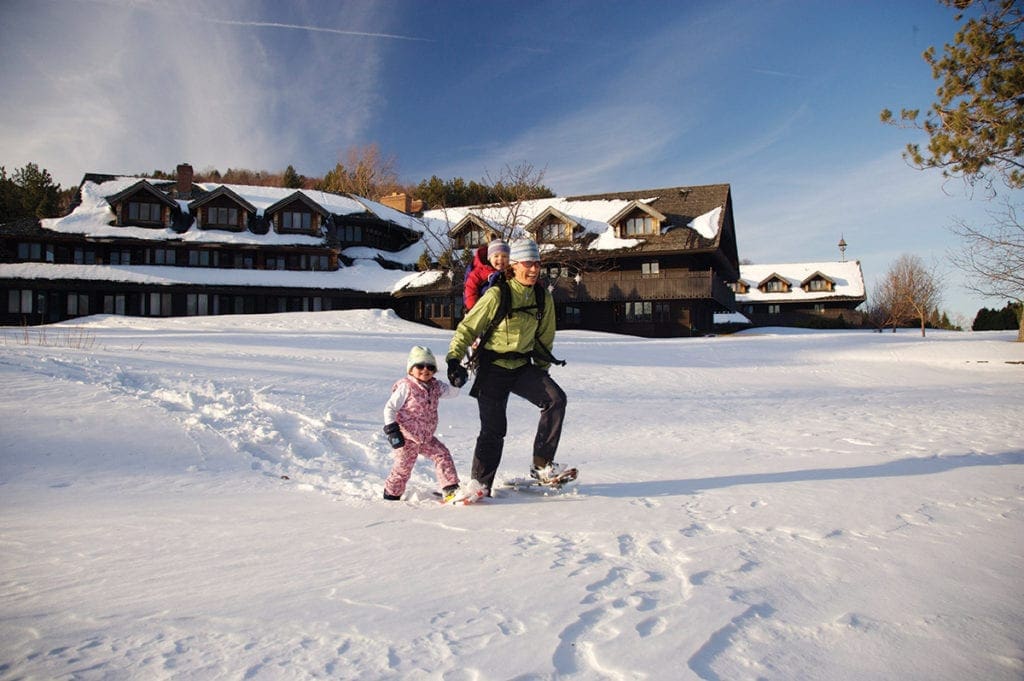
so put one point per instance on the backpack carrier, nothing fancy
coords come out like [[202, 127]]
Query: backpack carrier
[[478, 355]]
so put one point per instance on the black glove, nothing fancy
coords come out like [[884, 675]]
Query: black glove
[[394, 434], [457, 374]]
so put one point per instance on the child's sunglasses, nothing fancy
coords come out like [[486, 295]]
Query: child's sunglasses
[[421, 366]]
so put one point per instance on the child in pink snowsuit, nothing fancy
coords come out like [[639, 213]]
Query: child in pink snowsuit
[[411, 418]]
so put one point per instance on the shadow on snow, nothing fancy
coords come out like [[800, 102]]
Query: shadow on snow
[[901, 467]]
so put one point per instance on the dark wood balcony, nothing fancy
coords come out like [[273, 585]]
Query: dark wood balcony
[[623, 286]]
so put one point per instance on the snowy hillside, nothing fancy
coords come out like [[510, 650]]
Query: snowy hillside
[[200, 499]]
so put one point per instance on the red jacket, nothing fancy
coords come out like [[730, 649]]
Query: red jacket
[[477, 277]]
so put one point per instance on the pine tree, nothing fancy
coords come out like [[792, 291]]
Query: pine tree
[[977, 125], [29, 193], [292, 179]]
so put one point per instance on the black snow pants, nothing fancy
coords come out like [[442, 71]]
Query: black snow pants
[[492, 387]]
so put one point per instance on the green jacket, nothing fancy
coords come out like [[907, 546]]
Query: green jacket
[[515, 333]]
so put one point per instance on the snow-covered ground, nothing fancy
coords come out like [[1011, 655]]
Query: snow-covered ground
[[200, 499]]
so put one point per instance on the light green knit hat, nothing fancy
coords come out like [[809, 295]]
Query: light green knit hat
[[419, 355]]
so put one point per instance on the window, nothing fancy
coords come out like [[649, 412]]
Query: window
[[650, 269], [437, 307], [85, 256], [555, 231], [637, 226], [475, 237], [197, 304], [113, 304], [775, 286], [275, 262], [573, 315], [662, 312], [139, 211], [818, 285], [120, 258], [556, 271], [774, 309], [350, 233], [296, 220], [163, 256], [78, 304], [819, 308], [28, 251], [642, 311], [202, 258], [320, 263], [217, 216], [159, 305], [19, 300]]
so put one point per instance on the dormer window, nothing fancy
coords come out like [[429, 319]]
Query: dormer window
[[474, 237], [225, 217], [774, 284], [555, 231], [818, 283], [638, 226], [296, 220], [143, 211]]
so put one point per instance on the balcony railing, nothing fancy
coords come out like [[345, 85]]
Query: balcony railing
[[622, 286]]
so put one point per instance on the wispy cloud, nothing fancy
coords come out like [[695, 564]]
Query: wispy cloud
[[170, 88], [312, 29]]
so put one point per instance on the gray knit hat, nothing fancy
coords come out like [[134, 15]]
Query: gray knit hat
[[524, 249]]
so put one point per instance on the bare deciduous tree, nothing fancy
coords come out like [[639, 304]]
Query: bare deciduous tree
[[909, 290], [993, 256], [363, 172], [514, 186]]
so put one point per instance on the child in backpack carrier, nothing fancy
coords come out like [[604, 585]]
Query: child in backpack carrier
[[410, 416], [488, 261]]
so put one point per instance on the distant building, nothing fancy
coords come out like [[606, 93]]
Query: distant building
[[145, 247], [817, 295], [651, 262]]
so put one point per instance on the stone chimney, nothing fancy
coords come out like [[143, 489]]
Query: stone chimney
[[398, 201], [184, 188]]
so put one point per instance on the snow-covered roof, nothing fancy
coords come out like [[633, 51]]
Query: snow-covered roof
[[92, 217], [594, 216], [846, 276]]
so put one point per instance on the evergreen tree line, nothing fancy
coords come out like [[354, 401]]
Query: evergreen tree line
[[30, 192], [1006, 319]]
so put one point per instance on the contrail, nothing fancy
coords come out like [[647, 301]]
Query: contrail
[[298, 27]]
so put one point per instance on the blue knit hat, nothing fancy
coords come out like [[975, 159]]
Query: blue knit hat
[[524, 250]]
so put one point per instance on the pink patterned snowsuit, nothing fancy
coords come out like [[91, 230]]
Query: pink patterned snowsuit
[[417, 417]]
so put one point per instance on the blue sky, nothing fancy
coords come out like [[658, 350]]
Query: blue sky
[[778, 98]]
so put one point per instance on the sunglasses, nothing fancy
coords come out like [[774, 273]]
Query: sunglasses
[[428, 367]]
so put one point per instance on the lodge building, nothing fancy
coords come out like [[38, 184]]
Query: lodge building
[[657, 263]]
